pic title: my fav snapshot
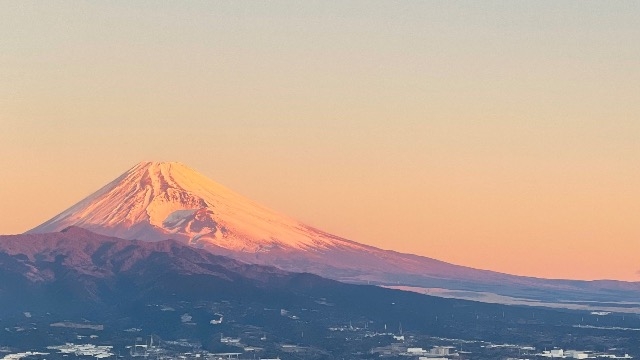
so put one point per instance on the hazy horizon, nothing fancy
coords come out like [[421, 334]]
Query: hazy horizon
[[496, 135]]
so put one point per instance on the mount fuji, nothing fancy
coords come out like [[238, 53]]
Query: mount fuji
[[155, 201]]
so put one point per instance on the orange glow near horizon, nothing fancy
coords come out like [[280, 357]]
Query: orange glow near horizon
[[502, 138]]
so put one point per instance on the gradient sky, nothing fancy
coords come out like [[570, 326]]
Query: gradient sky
[[499, 135]]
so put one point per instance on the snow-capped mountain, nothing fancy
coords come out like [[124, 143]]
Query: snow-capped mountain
[[160, 200]]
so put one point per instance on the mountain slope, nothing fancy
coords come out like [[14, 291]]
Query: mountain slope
[[159, 200], [66, 286]]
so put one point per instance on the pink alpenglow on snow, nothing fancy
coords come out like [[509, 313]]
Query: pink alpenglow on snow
[[160, 200]]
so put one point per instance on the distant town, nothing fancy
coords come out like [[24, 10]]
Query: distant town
[[365, 339]]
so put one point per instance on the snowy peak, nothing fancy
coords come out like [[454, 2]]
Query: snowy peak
[[159, 200]]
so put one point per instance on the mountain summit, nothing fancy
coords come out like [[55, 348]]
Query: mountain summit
[[155, 201], [159, 200]]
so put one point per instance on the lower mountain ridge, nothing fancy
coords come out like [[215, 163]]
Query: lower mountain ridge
[[79, 286]]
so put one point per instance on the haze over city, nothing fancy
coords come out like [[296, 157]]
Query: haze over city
[[501, 136]]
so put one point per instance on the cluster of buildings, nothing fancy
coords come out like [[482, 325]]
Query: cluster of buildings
[[97, 351], [435, 353], [576, 354], [18, 356]]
